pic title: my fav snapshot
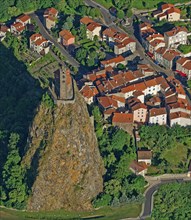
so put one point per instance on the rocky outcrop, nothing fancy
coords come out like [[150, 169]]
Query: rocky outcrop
[[64, 166]]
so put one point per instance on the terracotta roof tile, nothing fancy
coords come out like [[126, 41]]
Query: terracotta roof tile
[[86, 20], [144, 154], [157, 111], [122, 118]]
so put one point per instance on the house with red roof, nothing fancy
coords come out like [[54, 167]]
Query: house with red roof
[[119, 41], [113, 62], [92, 28], [168, 12], [169, 58], [89, 93], [23, 19], [121, 119], [153, 42], [180, 118], [50, 17], [139, 168], [183, 67], [138, 109], [175, 37], [20, 24], [66, 38], [39, 44], [3, 31], [158, 116], [144, 156], [17, 28]]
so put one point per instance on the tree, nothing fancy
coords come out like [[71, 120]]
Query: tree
[[14, 188], [120, 14], [115, 202], [189, 83], [81, 54], [103, 200], [121, 66]]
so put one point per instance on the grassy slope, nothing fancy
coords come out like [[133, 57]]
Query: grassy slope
[[139, 4], [153, 3], [132, 210]]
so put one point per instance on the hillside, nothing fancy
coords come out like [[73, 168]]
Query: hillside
[[63, 158]]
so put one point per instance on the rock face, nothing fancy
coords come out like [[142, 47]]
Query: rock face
[[63, 159]]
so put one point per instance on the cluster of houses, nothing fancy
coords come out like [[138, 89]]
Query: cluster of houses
[[163, 48], [118, 41], [168, 12], [136, 97]]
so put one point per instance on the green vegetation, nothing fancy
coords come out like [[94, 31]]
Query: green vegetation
[[14, 189], [106, 213], [90, 52], [126, 6], [171, 147], [172, 201], [189, 83], [20, 96], [184, 48], [121, 186]]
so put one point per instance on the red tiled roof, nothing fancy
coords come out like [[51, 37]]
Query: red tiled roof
[[66, 35], [23, 18], [166, 6], [182, 60], [92, 26], [3, 28], [175, 115], [39, 42], [109, 111], [157, 111], [173, 10], [86, 20], [175, 31], [138, 167], [110, 32], [89, 91], [138, 106], [170, 55], [107, 102], [118, 98], [122, 118], [51, 11], [144, 154], [35, 36], [187, 65], [116, 60], [171, 99]]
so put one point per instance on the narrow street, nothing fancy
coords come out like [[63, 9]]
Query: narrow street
[[46, 35], [109, 21]]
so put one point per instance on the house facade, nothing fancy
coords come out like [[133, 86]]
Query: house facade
[[50, 17], [66, 38], [39, 44], [175, 37], [158, 116]]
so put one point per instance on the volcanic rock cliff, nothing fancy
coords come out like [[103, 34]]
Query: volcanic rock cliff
[[64, 167]]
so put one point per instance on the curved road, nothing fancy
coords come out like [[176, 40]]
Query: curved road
[[46, 35], [148, 204]]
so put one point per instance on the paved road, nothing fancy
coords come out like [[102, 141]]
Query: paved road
[[148, 204], [130, 29], [46, 35], [108, 18]]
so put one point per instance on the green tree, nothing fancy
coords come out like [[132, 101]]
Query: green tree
[[14, 188], [120, 14]]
